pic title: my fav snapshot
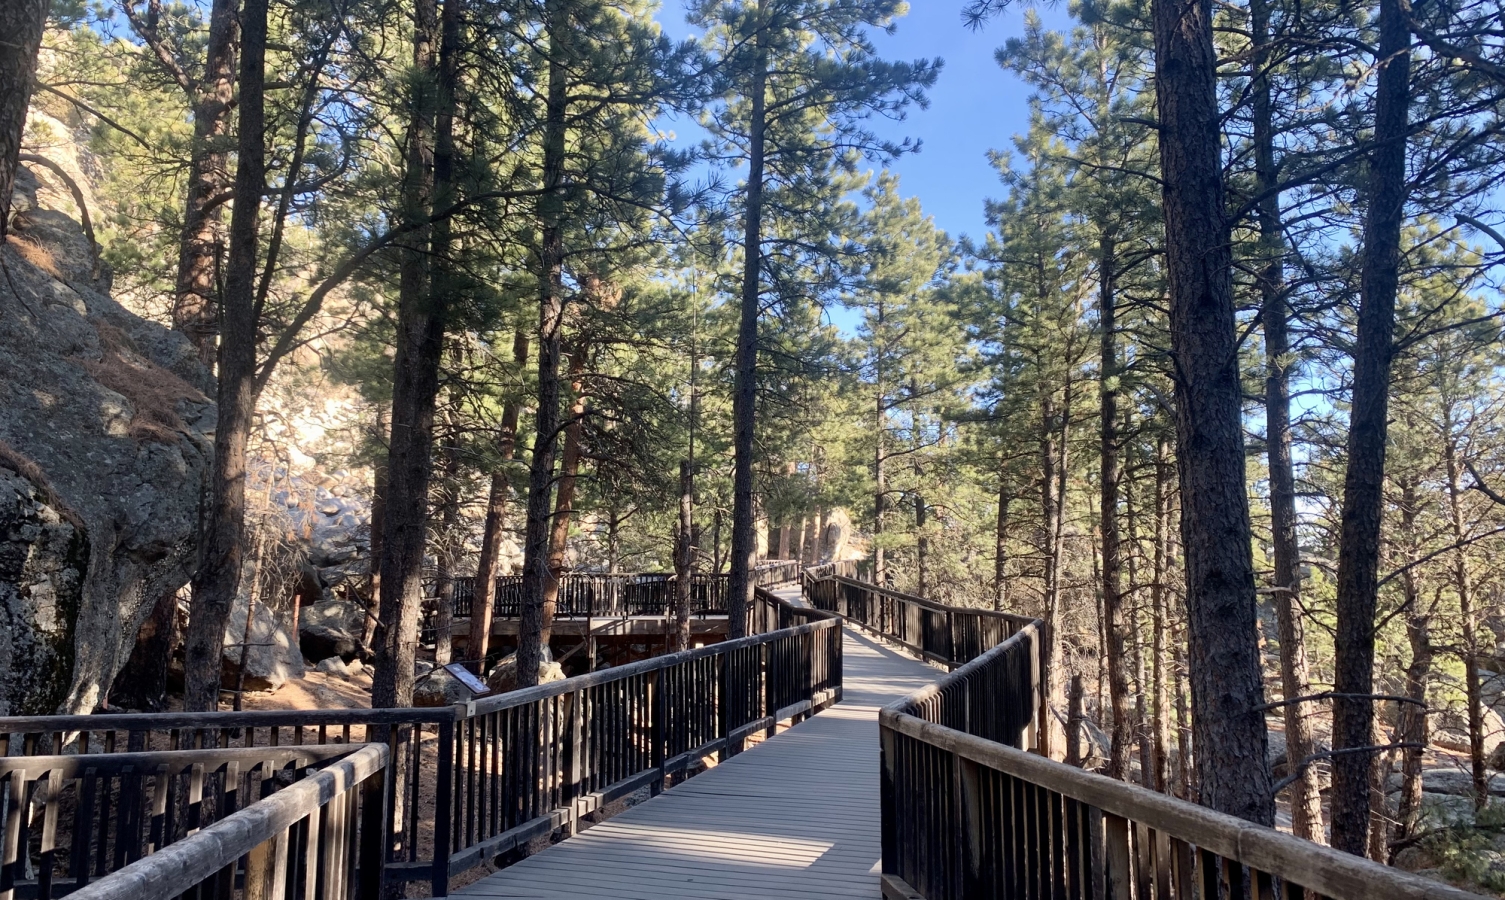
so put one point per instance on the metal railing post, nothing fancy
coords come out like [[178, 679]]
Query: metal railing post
[[444, 786]]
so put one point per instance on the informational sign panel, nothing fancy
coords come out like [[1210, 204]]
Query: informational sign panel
[[468, 678]]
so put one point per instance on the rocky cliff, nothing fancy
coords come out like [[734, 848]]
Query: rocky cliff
[[105, 443]]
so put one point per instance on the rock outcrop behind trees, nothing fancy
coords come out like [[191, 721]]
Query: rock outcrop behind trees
[[105, 442]]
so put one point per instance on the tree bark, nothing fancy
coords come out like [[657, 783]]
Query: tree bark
[[484, 606], [424, 290], [378, 523], [1363, 483], [446, 555], [1001, 541], [880, 455], [22, 21], [1411, 725], [717, 560], [536, 575], [880, 493], [1185, 764], [1159, 602], [1306, 799], [564, 497], [195, 308], [922, 546], [1463, 584], [218, 578], [1055, 438], [739, 591], [1074, 719], [1224, 654], [684, 555], [1121, 737]]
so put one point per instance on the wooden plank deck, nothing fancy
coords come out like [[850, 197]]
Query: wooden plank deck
[[796, 816]]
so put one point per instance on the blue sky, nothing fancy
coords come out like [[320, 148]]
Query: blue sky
[[974, 107]]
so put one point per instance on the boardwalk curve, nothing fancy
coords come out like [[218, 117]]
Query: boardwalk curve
[[796, 816]]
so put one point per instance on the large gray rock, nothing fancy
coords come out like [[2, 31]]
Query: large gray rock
[[439, 688], [503, 678], [272, 656], [331, 628], [43, 557], [1275, 753], [105, 423]]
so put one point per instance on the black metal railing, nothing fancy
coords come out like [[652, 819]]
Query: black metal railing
[[597, 595], [532, 761], [969, 811], [463, 782], [949, 635]]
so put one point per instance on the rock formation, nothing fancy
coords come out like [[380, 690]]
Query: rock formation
[[107, 441]]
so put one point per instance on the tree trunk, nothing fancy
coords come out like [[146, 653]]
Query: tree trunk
[[253, 596], [218, 578], [446, 554], [1224, 651], [483, 608], [880, 455], [717, 560], [195, 310], [684, 555], [1463, 584], [1074, 722], [922, 547], [880, 495], [614, 545], [1363, 483], [425, 287], [818, 537], [1186, 765], [1134, 631], [739, 589], [1379, 812], [378, 522], [1121, 737], [536, 576], [22, 21], [1160, 758], [1306, 799], [1055, 457], [1411, 725], [564, 497], [1001, 541]]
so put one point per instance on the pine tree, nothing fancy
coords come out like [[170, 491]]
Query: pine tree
[[909, 354], [800, 78]]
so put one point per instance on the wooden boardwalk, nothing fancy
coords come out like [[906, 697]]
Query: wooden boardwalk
[[796, 816]]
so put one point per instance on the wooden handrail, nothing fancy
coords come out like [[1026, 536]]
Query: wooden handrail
[[659, 586], [260, 834], [171, 761], [652, 664], [967, 812], [560, 751], [772, 673], [948, 635], [216, 721], [917, 600], [1267, 855]]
